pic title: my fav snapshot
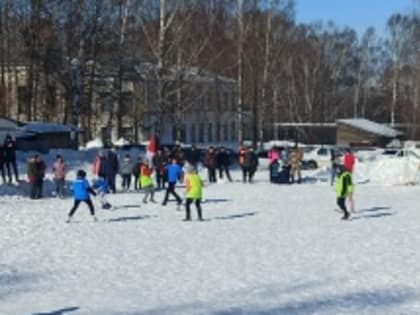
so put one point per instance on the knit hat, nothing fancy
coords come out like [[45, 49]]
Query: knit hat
[[81, 173]]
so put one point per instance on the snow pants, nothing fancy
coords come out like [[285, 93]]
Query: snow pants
[[77, 203], [341, 202], [188, 203], [171, 190]]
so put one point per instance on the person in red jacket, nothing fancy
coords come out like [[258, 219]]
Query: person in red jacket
[[349, 161]]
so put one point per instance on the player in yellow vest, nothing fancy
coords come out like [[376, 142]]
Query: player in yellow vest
[[194, 190], [146, 182], [344, 187]]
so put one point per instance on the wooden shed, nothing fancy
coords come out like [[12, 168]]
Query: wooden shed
[[358, 131]]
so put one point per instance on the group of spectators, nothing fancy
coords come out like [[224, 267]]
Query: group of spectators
[[217, 161], [290, 163]]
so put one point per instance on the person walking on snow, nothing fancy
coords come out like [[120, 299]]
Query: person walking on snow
[[344, 187], [223, 162], [147, 181], [3, 174], [295, 160], [10, 157], [81, 190], [102, 188], [136, 173], [175, 174], [210, 161], [99, 165], [36, 174], [112, 166], [194, 188], [349, 162], [125, 172], [59, 169], [160, 160]]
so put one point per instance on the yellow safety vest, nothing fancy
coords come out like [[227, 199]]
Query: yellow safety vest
[[194, 186], [344, 185]]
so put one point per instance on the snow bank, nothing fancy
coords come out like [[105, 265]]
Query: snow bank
[[95, 143], [404, 171]]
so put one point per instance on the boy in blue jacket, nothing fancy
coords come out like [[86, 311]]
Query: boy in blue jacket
[[175, 173], [81, 191], [102, 188]]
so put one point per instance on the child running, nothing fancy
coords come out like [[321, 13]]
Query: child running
[[194, 188], [101, 186], [81, 190], [147, 181], [344, 187]]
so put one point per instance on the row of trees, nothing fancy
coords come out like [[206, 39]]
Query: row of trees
[[285, 72]]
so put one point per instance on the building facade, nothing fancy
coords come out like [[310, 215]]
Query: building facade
[[133, 102]]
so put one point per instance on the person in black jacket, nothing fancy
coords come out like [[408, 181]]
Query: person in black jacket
[[10, 156], [210, 161], [136, 173], [193, 157], [2, 164], [112, 167], [223, 163], [159, 162], [250, 165]]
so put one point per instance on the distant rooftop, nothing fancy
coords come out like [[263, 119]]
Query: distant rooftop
[[371, 126]]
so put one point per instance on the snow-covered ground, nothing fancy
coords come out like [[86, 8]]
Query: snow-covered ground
[[264, 249]]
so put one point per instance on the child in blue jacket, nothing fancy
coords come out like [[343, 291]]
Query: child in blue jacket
[[81, 190], [175, 174], [102, 187]]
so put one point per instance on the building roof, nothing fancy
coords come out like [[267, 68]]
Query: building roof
[[8, 124], [371, 126], [46, 127]]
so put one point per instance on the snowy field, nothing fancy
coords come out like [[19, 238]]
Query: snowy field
[[264, 249]]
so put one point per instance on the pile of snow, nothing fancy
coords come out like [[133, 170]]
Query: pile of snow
[[404, 171], [121, 142], [95, 143]]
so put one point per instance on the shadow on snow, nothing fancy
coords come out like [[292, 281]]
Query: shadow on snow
[[373, 215], [133, 218], [374, 209], [235, 216], [13, 282], [60, 311], [124, 207], [214, 200], [374, 301]]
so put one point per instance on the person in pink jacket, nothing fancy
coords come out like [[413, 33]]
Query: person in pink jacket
[[274, 155], [60, 170]]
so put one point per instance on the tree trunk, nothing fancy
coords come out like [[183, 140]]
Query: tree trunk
[[240, 70]]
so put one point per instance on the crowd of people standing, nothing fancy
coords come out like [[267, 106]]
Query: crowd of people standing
[[168, 167]]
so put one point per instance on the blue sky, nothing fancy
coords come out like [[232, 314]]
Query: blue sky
[[358, 14]]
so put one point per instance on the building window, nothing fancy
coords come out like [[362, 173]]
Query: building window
[[210, 132], [201, 133], [184, 133], [226, 132], [193, 137], [233, 131], [173, 132], [208, 100], [126, 103], [233, 101], [226, 101]]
